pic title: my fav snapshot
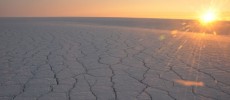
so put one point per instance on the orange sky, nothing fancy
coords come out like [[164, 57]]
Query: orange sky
[[111, 8]]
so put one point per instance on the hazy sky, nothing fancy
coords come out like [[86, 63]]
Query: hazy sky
[[110, 8]]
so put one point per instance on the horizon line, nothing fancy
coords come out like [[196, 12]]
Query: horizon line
[[103, 17]]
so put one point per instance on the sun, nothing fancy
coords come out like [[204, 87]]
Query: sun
[[208, 17]]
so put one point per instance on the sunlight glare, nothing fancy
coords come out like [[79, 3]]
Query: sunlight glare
[[208, 17], [189, 83]]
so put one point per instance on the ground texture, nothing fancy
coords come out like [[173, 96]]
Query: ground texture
[[54, 60]]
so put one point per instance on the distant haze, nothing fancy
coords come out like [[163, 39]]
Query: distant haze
[[184, 9]]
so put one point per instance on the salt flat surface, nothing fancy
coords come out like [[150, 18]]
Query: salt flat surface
[[105, 59]]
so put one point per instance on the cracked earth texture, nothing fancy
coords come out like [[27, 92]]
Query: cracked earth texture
[[55, 60]]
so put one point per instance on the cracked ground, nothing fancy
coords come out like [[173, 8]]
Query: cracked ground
[[58, 60]]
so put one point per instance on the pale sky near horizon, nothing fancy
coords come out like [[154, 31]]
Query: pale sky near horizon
[[111, 8]]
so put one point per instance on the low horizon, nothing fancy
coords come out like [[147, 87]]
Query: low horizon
[[154, 18]]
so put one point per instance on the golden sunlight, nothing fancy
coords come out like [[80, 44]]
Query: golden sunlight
[[208, 17]]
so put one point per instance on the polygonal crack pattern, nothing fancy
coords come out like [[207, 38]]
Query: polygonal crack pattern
[[61, 61]]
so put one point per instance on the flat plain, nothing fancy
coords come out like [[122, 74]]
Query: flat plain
[[111, 59]]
